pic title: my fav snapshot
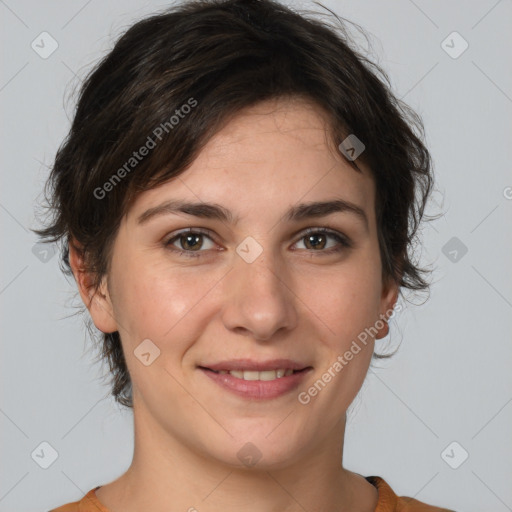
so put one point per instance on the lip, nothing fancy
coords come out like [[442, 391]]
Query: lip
[[257, 389], [256, 366]]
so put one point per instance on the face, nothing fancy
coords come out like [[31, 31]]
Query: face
[[251, 290]]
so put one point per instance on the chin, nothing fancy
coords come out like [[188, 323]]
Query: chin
[[259, 451]]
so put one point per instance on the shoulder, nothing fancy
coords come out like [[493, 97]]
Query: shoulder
[[89, 503], [390, 502]]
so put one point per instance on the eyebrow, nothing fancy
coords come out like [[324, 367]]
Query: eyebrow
[[215, 211]]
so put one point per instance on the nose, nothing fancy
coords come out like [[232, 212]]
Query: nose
[[258, 298]]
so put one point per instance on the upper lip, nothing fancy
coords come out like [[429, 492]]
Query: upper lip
[[252, 365]]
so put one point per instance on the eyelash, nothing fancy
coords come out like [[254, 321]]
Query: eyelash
[[344, 242]]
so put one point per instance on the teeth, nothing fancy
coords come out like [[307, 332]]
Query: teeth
[[253, 375]]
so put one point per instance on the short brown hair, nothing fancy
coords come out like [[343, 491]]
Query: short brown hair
[[217, 57]]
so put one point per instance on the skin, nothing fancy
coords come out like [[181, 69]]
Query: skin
[[294, 301]]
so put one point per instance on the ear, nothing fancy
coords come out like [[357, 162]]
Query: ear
[[98, 301], [388, 300]]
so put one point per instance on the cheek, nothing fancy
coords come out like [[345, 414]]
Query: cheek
[[345, 315], [344, 302], [160, 303]]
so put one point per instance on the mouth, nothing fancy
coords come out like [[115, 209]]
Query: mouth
[[257, 381], [265, 375]]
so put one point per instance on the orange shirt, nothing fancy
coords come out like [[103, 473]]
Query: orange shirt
[[388, 501]]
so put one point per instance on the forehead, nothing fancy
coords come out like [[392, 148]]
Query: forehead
[[283, 129], [268, 157]]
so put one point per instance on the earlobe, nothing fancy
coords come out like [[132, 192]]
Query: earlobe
[[97, 300], [102, 313], [390, 295], [388, 301]]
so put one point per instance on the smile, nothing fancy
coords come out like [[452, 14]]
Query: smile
[[257, 384], [255, 375]]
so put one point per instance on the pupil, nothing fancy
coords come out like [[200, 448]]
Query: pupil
[[312, 237], [191, 237]]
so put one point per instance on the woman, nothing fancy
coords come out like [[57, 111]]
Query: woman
[[237, 198]]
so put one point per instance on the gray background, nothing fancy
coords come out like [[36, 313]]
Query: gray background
[[450, 380]]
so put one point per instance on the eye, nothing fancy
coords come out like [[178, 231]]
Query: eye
[[191, 240], [316, 240]]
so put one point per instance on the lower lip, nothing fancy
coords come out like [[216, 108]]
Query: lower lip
[[257, 389]]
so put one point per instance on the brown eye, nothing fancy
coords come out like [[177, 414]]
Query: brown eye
[[316, 240], [188, 242]]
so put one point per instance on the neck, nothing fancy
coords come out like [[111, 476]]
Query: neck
[[166, 471]]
